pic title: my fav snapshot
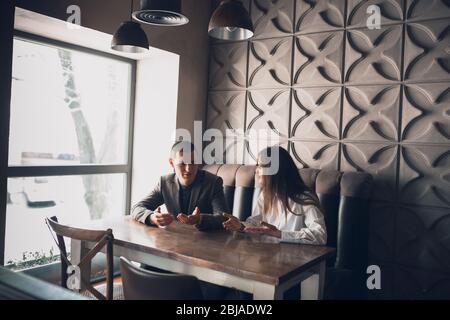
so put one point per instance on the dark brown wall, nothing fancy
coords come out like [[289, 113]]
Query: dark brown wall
[[189, 41], [352, 99]]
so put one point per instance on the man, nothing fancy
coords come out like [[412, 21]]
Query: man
[[187, 190]]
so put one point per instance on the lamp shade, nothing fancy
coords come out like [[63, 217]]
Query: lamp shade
[[161, 13], [231, 21], [130, 38]]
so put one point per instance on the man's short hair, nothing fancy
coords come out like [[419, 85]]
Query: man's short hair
[[182, 146]]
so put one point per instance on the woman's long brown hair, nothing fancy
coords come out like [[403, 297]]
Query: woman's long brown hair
[[286, 183]]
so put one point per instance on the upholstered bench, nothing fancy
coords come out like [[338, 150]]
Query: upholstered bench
[[345, 200]]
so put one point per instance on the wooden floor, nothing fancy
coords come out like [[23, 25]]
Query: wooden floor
[[117, 289], [117, 280]]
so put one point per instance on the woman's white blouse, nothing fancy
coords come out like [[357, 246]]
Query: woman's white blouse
[[307, 227]]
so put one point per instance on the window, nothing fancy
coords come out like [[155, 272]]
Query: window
[[69, 145]]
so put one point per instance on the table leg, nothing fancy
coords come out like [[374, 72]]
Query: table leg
[[263, 291], [77, 252], [312, 288]]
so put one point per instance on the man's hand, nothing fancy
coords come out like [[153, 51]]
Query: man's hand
[[192, 219], [233, 223], [265, 228], [161, 219]]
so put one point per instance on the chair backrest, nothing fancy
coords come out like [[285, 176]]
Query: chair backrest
[[343, 196], [141, 284], [101, 237]]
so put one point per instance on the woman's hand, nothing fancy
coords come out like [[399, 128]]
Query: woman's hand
[[232, 223], [265, 228]]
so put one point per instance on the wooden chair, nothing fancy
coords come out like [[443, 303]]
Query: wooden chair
[[102, 239]]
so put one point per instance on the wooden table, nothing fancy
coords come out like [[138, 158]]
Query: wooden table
[[257, 264]]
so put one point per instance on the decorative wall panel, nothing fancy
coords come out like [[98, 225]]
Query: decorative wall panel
[[426, 113], [374, 56], [380, 160], [371, 113], [314, 16], [227, 69], [391, 11], [318, 59], [226, 110], [272, 18], [427, 9], [315, 154], [268, 110], [416, 283], [424, 238], [341, 96], [427, 51], [425, 175], [316, 113], [382, 231], [270, 63]]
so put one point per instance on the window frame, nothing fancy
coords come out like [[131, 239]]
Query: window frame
[[82, 169]]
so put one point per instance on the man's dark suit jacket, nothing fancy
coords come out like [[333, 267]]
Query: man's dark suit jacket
[[206, 194]]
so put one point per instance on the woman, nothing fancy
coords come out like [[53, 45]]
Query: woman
[[286, 208]]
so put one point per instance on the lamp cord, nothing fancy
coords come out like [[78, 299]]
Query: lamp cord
[[131, 11]]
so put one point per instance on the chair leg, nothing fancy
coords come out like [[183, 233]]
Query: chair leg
[[109, 268], [78, 251]]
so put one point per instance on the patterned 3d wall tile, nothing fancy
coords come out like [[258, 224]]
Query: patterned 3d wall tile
[[315, 154], [226, 110], [318, 59], [427, 51], [270, 63], [272, 18], [315, 16], [374, 56], [316, 113], [380, 160], [416, 283], [425, 175], [371, 113], [391, 11], [383, 217], [341, 94], [424, 238], [426, 113], [230, 149], [254, 146], [426, 9], [268, 110], [227, 69]]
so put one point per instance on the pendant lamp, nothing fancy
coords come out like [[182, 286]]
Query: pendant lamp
[[231, 21], [130, 37], [161, 13]]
